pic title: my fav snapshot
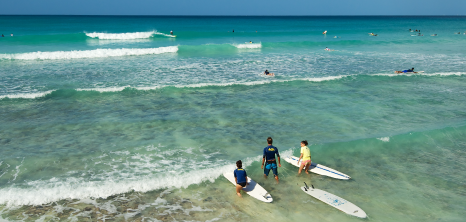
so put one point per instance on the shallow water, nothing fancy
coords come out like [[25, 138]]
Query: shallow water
[[102, 126]]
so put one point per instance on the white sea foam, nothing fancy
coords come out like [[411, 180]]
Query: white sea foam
[[422, 74], [46, 191], [97, 53], [125, 36], [248, 46], [221, 84], [384, 139], [26, 95]]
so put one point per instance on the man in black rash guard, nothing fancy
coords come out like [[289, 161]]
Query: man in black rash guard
[[269, 155]]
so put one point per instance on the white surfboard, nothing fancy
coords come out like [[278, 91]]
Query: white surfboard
[[318, 169], [335, 201], [253, 189]]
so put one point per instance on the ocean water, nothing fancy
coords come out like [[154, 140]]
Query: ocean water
[[109, 118]]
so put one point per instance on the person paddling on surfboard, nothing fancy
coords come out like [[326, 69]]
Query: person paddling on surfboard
[[171, 32], [406, 71], [269, 155], [305, 156], [267, 73], [241, 177]]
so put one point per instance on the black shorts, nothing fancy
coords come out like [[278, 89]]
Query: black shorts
[[242, 184]]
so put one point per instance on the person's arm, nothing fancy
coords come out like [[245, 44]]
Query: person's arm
[[300, 157], [278, 157], [263, 160], [246, 177]]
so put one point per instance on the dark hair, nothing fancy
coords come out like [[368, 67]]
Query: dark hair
[[269, 140], [239, 164], [412, 68], [305, 142]]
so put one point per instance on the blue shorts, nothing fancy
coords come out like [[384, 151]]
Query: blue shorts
[[270, 166]]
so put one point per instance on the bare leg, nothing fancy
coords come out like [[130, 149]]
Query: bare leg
[[265, 176], [307, 167], [276, 178], [300, 169], [238, 190]]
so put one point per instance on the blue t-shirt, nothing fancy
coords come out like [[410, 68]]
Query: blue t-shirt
[[270, 151], [240, 175]]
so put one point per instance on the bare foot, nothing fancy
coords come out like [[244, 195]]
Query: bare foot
[[307, 172], [239, 195]]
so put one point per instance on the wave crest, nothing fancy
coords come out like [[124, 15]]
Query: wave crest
[[97, 53], [249, 46], [125, 36]]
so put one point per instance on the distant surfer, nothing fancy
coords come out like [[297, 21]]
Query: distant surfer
[[3, 35], [271, 163], [325, 32], [250, 42], [241, 177], [267, 73], [305, 156], [406, 71], [11, 35], [327, 49], [171, 32], [233, 30]]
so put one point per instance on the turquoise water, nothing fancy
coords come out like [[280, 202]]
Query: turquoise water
[[110, 118]]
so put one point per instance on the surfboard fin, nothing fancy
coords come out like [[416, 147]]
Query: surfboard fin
[[265, 196], [306, 186]]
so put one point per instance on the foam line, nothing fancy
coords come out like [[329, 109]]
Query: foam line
[[125, 36], [248, 46], [43, 192], [200, 85], [26, 95], [97, 53]]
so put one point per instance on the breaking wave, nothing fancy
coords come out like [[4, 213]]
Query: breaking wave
[[96, 53], [125, 36], [249, 46]]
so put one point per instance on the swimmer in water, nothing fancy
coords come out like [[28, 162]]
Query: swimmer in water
[[267, 73], [406, 71], [327, 49], [325, 32]]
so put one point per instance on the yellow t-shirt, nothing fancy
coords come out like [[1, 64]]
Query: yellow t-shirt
[[306, 153]]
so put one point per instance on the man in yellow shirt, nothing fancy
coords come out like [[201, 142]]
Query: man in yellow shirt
[[305, 156]]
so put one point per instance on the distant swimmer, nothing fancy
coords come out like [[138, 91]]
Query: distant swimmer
[[11, 34], [325, 32], [233, 30], [3, 35], [171, 32], [372, 34], [250, 42], [406, 71], [268, 73], [327, 49], [434, 35]]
